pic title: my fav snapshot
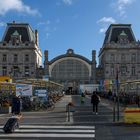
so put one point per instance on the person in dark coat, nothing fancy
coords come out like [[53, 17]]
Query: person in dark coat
[[95, 99], [16, 105]]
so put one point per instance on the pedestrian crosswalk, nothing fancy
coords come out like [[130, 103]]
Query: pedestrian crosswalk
[[42, 131]]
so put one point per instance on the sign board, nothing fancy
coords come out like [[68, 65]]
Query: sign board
[[46, 77], [7, 87], [5, 79], [41, 92], [24, 90], [89, 88]]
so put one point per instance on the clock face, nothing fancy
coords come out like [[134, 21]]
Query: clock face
[[70, 51]]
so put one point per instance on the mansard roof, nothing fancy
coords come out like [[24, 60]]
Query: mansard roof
[[23, 29], [115, 30]]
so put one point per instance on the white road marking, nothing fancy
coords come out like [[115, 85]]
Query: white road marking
[[55, 130], [46, 126], [48, 135], [28, 131], [71, 126]]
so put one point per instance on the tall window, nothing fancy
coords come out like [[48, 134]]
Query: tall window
[[4, 58], [133, 57], [26, 57], [112, 57], [112, 70], [123, 70], [70, 69], [123, 57], [15, 57], [133, 72], [15, 71], [26, 71], [4, 71]]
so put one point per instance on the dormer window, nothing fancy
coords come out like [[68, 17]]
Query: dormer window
[[123, 38], [16, 38]]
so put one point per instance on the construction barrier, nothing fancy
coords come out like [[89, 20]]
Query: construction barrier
[[132, 115]]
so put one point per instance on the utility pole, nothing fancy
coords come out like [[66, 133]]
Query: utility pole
[[117, 93], [118, 104]]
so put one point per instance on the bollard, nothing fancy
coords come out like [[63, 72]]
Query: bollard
[[70, 108], [68, 113], [114, 110], [10, 109]]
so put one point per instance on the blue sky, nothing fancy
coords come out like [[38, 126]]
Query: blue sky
[[75, 24]]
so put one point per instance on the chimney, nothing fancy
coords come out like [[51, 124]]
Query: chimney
[[36, 37], [93, 55], [46, 55]]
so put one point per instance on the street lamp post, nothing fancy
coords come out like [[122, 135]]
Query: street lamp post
[[117, 93], [118, 103]]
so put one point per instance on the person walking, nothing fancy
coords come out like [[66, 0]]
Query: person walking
[[95, 99], [16, 105], [82, 98]]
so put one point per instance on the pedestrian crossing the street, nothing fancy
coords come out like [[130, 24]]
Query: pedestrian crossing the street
[[33, 131]]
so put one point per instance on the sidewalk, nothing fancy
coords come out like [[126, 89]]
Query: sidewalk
[[82, 115], [56, 116], [111, 105]]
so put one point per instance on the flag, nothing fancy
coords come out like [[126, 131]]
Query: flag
[[110, 83], [101, 85]]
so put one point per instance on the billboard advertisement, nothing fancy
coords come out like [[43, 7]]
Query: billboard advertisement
[[24, 90]]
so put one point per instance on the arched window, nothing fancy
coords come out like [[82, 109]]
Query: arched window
[[70, 69]]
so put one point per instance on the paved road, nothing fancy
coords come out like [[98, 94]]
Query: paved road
[[62, 132], [83, 125], [83, 113], [105, 128]]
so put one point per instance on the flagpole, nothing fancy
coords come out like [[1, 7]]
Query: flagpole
[[118, 104], [117, 93]]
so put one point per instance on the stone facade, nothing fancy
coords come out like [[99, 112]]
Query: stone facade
[[120, 54], [71, 70], [20, 55]]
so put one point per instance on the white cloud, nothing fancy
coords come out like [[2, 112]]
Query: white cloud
[[103, 30], [17, 5], [2, 24], [106, 20], [68, 2], [121, 5], [44, 23]]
